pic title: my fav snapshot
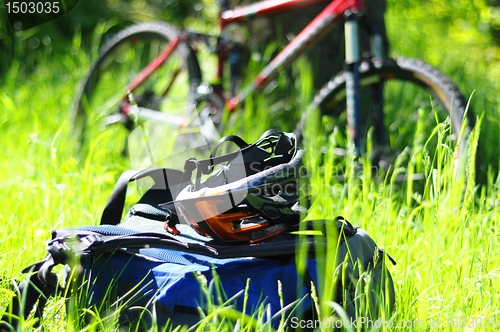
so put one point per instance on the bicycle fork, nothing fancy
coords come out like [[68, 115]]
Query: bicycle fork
[[353, 87]]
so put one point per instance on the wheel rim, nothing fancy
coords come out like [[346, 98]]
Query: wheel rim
[[415, 121]]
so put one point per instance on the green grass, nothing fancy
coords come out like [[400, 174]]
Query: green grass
[[443, 232]]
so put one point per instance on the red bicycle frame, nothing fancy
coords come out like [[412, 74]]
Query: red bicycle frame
[[312, 32]]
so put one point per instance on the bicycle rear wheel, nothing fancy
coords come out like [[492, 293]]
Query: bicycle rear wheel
[[416, 97], [123, 57]]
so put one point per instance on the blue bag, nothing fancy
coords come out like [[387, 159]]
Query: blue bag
[[150, 270], [143, 273]]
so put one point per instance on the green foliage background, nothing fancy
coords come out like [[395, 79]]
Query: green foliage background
[[461, 39]]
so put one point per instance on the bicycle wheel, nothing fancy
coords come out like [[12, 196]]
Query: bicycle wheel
[[416, 97], [170, 87]]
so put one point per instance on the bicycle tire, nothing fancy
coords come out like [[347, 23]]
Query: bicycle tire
[[330, 100], [123, 42]]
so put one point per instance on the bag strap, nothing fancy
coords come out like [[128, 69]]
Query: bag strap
[[113, 210], [114, 206]]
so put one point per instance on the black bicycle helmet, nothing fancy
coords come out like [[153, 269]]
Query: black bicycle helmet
[[255, 193]]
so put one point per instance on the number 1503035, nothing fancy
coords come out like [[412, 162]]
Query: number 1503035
[[31, 7]]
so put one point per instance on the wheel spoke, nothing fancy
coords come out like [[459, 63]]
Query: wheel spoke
[[168, 87]]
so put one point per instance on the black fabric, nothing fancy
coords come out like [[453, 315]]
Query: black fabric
[[112, 213], [149, 211], [284, 244], [109, 230], [28, 293], [142, 224]]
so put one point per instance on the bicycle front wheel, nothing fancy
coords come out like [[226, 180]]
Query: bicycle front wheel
[[403, 101], [170, 87]]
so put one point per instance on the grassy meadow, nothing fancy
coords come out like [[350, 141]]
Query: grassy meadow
[[444, 231]]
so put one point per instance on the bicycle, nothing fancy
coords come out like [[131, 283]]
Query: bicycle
[[165, 57]]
